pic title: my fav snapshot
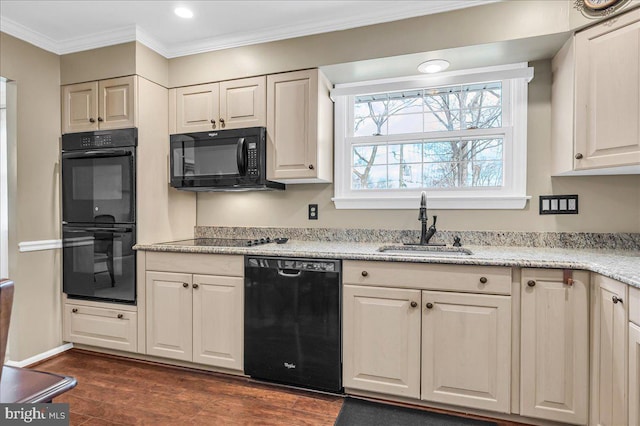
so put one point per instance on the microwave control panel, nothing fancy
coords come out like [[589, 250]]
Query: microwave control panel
[[252, 156]]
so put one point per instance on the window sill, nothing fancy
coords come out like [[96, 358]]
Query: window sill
[[434, 202]]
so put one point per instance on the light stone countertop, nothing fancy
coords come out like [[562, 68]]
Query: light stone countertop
[[621, 265]]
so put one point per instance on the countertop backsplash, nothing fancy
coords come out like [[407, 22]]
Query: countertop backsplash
[[568, 240]]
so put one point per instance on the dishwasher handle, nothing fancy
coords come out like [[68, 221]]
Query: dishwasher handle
[[289, 273]]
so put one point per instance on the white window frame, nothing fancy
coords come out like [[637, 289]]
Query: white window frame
[[512, 195]]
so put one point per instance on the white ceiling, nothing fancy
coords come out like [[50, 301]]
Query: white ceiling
[[70, 26]]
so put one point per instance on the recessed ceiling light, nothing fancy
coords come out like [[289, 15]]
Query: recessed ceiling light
[[183, 12], [433, 66]]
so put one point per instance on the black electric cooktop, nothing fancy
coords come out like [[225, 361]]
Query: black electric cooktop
[[221, 242]]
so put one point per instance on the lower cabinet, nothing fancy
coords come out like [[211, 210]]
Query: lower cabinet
[[101, 327], [634, 356], [453, 348], [554, 369], [609, 352], [196, 318], [466, 350]]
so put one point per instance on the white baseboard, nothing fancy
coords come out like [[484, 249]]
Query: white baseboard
[[39, 357]]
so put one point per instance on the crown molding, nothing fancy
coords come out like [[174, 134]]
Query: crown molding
[[135, 33]]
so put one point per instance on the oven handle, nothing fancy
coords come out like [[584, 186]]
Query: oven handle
[[98, 154], [290, 273], [241, 157], [97, 229]]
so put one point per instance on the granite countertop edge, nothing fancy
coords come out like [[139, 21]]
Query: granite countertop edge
[[621, 265]]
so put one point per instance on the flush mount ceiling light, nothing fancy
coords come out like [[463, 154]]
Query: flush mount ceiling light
[[433, 66], [183, 12]]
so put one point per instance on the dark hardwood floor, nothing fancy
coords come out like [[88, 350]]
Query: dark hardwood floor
[[113, 390]]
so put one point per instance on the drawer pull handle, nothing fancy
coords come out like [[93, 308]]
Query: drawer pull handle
[[483, 280], [185, 285], [414, 304], [429, 305], [120, 316], [616, 299], [365, 273], [74, 310], [531, 283], [195, 286]]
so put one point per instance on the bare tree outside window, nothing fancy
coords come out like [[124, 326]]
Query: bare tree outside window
[[463, 161]]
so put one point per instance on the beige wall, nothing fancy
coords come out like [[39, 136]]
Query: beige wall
[[607, 203], [34, 196], [98, 64]]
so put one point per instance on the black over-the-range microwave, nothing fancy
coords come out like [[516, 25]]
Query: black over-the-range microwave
[[224, 160]]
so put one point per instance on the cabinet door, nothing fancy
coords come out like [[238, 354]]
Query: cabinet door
[[634, 374], [197, 108], [608, 94], [554, 346], [218, 307], [381, 340], [117, 107], [169, 315], [466, 350], [80, 107], [610, 352], [243, 103], [292, 102]]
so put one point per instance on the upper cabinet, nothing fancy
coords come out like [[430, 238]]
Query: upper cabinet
[[596, 100], [230, 104], [299, 127], [99, 105]]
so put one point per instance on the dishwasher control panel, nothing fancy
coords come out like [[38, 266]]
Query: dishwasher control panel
[[317, 265]]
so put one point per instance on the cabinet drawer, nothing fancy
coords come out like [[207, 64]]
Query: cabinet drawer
[[106, 328], [461, 278], [634, 305], [196, 263]]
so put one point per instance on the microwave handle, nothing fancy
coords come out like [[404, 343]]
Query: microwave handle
[[241, 156]]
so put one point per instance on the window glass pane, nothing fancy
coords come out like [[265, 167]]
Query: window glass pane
[[487, 149], [405, 153], [374, 177], [439, 175], [484, 118], [438, 152], [485, 173], [444, 98], [369, 127], [399, 124], [364, 155], [405, 175], [405, 102], [442, 121]]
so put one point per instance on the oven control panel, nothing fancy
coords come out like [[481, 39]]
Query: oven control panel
[[100, 139]]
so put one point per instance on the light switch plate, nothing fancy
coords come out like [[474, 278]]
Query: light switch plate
[[558, 204]]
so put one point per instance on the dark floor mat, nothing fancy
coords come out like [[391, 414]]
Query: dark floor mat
[[357, 412]]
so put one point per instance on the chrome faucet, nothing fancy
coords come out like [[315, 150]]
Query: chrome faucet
[[425, 235]]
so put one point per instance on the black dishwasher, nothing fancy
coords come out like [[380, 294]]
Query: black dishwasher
[[292, 321]]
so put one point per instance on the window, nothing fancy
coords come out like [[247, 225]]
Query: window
[[461, 137]]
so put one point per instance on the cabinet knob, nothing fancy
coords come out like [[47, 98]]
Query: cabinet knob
[[120, 316], [414, 304], [429, 305], [578, 156], [74, 310], [213, 123], [100, 119], [195, 286], [483, 280], [531, 283], [616, 299], [185, 285], [222, 124], [310, 166], [365, 273], [91, 120]]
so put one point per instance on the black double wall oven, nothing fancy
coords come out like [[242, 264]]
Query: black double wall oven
[[98, 215]]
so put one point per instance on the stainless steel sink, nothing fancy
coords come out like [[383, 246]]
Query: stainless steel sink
[[418, 250]]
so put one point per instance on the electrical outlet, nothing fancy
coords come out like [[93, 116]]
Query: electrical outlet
[[558, 204], [313, 212]]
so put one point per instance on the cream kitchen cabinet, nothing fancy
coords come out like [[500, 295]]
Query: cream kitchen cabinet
[[299, 127], [554, 367], [634, 356], [466, 350], [195, 317], [110, 328], [226, 105], [596, 99], [381, 351], [441, 333], [99, 105], [609, 352]]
